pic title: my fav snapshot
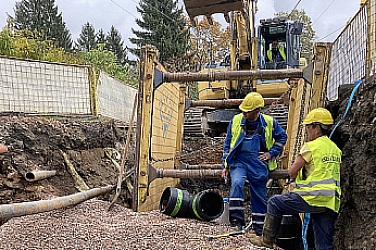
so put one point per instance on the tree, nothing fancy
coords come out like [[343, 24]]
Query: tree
[[308, 34], [87, 39], [115, 44], [209, 42], [107, 61], [101, 37], [42, 16], [164, 26], [28, 44]]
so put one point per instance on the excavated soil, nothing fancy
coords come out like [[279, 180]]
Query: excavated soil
[[356, 223], [37, 144]]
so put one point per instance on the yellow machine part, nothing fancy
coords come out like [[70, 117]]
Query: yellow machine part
[[272, 89], [208, 7], [242, 37], [214, 90]]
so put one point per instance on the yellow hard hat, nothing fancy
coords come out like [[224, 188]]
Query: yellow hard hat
[[362, 2], [251, 102], [319, 115]]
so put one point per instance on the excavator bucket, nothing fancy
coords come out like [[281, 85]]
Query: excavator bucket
[[209, 7]]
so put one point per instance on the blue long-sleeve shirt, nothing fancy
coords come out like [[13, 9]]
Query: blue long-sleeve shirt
[[278, 133]]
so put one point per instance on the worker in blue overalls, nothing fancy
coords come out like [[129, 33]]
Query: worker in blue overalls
[[253, 142]]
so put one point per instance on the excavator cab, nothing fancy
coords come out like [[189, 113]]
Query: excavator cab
[[286, 35]]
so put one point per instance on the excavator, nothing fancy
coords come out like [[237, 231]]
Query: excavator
[[248, 51]]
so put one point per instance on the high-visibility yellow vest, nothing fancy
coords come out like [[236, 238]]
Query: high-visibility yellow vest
[[322, 188], [281, 51], [236, 129]]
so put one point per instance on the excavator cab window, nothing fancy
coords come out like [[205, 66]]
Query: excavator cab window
[[287, 51], [272, 36]]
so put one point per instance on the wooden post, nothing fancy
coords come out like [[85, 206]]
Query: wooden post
[[145, 91], [93, 81]]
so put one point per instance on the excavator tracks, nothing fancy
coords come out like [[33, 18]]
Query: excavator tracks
[[195, 124]]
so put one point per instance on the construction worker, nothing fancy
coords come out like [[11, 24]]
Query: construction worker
[[317, 171], [253, 142], [277, 55]]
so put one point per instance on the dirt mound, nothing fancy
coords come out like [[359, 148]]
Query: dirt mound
[[355, 227], [37, 144]]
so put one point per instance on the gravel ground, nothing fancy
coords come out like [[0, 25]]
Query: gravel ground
[[89, 226]]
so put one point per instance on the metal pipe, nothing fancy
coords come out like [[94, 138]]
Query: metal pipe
[[228, 103], [233, 75], [201, 166], [201, 174], [19, 209], [39, 175]]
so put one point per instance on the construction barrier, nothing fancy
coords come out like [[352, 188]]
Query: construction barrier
[[348, 60], [38, 87], [115, 98]]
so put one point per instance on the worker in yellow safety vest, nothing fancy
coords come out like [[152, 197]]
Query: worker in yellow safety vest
[[277, 53], [253, 141], [317, 170]]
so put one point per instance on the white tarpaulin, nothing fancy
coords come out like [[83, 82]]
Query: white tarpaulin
[[115, 98]]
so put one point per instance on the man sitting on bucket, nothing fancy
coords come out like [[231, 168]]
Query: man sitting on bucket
[[252, 143], [317, 170]]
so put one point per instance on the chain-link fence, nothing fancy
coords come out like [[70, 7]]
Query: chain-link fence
[[348, 57], [40, 87]]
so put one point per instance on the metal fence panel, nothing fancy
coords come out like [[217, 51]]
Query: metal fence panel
[[115, 98], [348, 57], [43, 87]]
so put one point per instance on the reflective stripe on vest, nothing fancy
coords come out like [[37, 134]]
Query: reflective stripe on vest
[[236, 129], [322, 187], [314, 183]]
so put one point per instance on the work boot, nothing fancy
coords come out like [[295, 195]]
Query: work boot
[[269, 232], [261, 242]]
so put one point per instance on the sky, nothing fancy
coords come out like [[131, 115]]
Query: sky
[[328, 16]]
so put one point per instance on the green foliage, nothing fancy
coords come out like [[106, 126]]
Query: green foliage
[[164, 26], [101, 37], [28, 44], [308, 34], [115, 44], [42, 16], [107, 61], [87, 39]]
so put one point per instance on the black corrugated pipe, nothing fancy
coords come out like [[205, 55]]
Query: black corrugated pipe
[[205, 206]]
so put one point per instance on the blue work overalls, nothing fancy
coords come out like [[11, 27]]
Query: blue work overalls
[[244, 164]]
